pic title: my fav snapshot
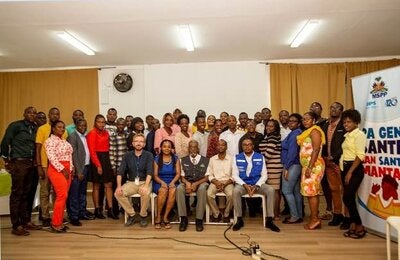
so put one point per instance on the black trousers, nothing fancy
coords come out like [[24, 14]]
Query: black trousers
[[350, 190], [22, 173], [32, 192]]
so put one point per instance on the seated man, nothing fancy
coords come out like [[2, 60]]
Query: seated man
[[193, 179], [138, 167], [250, 174], [220, 175]]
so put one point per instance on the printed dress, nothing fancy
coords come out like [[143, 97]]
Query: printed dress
[[310, 186]]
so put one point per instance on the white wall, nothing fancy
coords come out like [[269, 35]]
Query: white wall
[[215, 87]]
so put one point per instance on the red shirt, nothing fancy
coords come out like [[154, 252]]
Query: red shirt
[[97, 142]]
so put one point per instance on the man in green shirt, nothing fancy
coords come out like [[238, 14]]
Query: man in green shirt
[[17, 150]]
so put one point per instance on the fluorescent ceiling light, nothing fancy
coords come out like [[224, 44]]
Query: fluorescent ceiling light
[[186, 36], [75, 42], [304, 33]]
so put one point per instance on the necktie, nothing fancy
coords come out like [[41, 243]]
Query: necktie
[[194, 160]]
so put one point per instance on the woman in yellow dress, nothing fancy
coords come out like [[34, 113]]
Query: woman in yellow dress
[[313, 166]]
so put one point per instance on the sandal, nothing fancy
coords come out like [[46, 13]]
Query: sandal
[[167, 225], [157, 225], [358, 234], [349, 232]]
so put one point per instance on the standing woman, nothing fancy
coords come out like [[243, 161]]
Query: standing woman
[[270, 147], [167, 171], [183, 137], [59, 153], [313, 165], [352, 169], [213, 139], [168, 131], [101, 171], [292, 171]]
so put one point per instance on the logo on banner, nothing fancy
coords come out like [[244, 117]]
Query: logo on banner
[[378, 88], [392, 102]]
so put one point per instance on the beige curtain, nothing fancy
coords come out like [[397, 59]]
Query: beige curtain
[[66, 89], [295, 86]]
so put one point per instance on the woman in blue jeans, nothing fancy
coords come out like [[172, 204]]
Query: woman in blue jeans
[[292, 171]]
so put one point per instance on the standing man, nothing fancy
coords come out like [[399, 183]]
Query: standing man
[[17, 150], [331, 152], [76, 203], [137, 165], [219, 174], [243, 118], [201, 136], [284, 120], [194, 179], [265, 116], [118, 148], [42, 135], [77, 114], [250, 174], [232, 136]]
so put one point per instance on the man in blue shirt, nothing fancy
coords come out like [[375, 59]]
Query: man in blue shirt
[[138, 167], [250, 174]]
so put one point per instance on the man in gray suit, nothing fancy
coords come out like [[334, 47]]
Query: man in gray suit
[[193, 179], [76, 205]]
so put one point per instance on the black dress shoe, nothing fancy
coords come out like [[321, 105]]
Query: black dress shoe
[[110, 214], [183, 224], [336, 220], [345, 224], [88, 213], [75, 222], [239, 224], [199, 225], [270, 224], [87, 217], [98, 214]]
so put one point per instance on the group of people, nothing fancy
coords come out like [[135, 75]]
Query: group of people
[[121, 157]]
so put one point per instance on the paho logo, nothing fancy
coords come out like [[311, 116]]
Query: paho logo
[[378, 88]]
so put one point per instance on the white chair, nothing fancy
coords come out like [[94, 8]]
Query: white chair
[[152, 205], [394, 222], [264, 206], [218, 194]]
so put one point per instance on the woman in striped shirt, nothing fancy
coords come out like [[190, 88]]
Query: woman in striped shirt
[[270, 147]]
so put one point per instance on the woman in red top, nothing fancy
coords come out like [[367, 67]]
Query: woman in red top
[[101, 171], [59, 153]]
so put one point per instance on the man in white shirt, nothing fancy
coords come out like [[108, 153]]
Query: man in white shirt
[[284, 120], [219, 173], [266, 116], [250, 174], [232, 136]]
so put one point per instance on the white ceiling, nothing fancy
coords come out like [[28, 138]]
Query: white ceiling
[[129, 32]]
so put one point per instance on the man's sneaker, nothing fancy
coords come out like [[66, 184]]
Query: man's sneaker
[[143, 221], [239, 224], [20, 231], [131, 220]]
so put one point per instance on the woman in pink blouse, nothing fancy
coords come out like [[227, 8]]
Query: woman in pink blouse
[[59, 153], [168, 131], [183, 137]]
